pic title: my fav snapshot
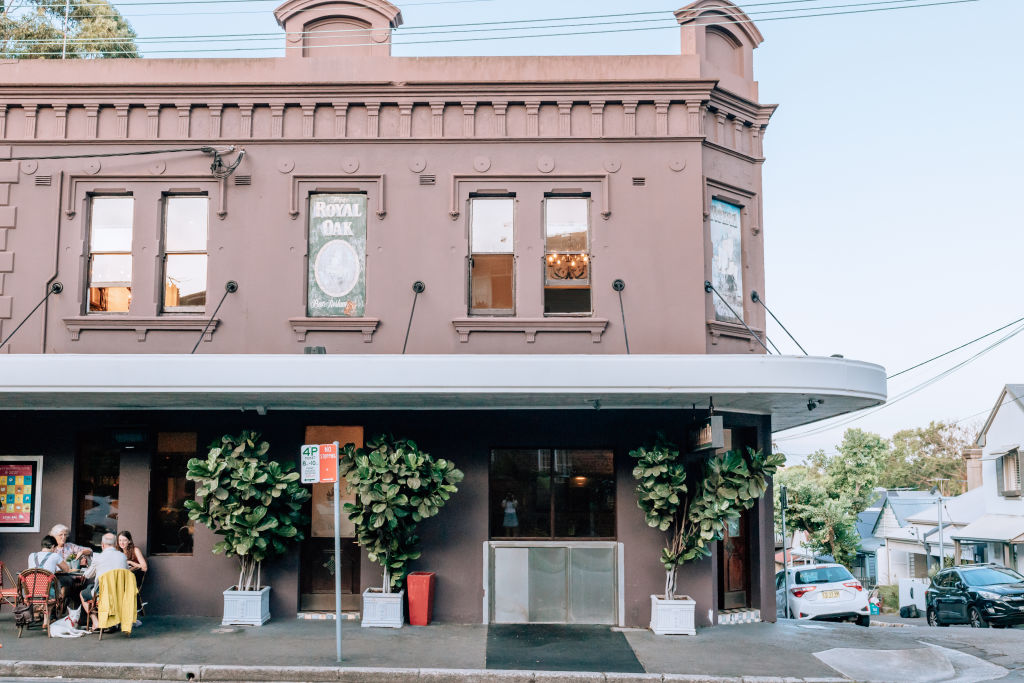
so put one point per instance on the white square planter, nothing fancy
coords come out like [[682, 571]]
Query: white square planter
[[673, 617], [246, 608], [384, 610]]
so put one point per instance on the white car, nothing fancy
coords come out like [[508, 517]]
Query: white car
[[823, 592]]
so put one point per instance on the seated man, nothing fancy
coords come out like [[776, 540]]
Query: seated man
[[109, 558], [48, 558]]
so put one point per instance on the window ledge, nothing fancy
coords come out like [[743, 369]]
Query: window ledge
[[141, 326], [303, 326], [719, 328], [530, 326]]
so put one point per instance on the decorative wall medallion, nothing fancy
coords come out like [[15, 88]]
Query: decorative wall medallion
[[482, 164], [677, 165], [93, 166], [285, 165], [350, 165], [417, 164], [29, 167], [545, 164], [612, 165], [158, 167]]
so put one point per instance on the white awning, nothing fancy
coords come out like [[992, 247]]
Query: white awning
[[994, 528], [779, 386]]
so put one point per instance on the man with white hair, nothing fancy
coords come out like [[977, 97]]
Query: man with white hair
[[106, 560]]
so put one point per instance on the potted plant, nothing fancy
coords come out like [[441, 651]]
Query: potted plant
[[253, 502], [396, 486], [693, 517]]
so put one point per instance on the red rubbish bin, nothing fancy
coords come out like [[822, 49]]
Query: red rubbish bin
[[421, 597]]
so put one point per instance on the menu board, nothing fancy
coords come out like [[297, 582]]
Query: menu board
[[19, 492]]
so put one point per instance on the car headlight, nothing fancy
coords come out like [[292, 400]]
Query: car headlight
[[989, 596]]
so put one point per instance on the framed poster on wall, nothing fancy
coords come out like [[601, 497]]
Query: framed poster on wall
[[20, 483]]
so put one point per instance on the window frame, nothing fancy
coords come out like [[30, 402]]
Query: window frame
[[150, 516], [545, 253], [491, 312], [1009, 489], [90, 199], [165, 200]]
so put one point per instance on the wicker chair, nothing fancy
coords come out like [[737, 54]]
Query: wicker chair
[[37, 588], [8, 587]]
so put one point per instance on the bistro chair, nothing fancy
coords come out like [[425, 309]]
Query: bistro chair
[[115, 601], [37, 589], [141, 606], [8, 587]]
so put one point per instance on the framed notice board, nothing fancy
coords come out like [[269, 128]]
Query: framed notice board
[[20, 483]]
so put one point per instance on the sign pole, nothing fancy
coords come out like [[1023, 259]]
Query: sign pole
[[337, 561], [783, 504]]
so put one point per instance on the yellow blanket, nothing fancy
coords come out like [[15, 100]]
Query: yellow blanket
[[116, 599]]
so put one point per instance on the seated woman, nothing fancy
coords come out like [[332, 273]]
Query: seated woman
[[136, 561], [65, 548], [48, 558]]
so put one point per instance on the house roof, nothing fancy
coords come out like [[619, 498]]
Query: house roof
[[998, 528], [959, 510], [904, 504], [1010, 393]]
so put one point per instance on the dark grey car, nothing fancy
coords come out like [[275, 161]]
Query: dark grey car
[[979, 595]]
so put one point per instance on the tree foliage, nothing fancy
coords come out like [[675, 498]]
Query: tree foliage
[[397, 486], [253, 502], [34, 29], [923, 457], [822, 512], [693, 518], [856, 470]]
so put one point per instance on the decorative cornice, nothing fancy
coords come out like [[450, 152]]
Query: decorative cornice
[[141, 326], [548, 178], [595, 327], [303, 326], [299, 179]]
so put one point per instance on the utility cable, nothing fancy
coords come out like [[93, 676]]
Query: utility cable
[[946, 353], [230, 287], [906, 394], [417, 288], [555, 35], [205, 150], [756, 298], [618, 286]]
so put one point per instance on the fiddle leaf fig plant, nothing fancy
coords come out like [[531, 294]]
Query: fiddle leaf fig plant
[[253, 502], [693, 516], [396, 486]]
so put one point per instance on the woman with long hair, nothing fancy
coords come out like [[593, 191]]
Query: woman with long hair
[[136, 561]]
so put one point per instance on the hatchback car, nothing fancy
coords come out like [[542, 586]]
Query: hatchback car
[[979, 595], [822, 592]]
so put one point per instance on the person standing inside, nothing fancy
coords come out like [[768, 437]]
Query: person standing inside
[[510, 521]]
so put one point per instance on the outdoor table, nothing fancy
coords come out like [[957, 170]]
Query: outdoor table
[[69, 586]]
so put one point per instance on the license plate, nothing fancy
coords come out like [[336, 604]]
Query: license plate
[[829, 595]]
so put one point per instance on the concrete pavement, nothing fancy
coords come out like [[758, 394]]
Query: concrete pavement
[[167, 648]]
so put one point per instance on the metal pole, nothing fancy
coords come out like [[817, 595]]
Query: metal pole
[[942, 544], [784, 503], [337, 559], [64, 44]]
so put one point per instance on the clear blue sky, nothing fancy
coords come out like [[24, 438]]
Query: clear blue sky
[[892, 218]]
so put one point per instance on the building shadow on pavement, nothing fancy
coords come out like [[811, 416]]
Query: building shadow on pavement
[[544, 647]]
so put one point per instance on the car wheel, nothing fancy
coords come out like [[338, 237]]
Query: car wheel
[[977, 621], [933, 618], [864, 620]]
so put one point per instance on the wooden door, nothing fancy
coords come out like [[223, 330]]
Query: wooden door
[[734, 564]]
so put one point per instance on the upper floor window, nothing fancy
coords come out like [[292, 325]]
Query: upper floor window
[[185, 237], [492, 255], [1008, 474], [110, 253], [567, 255], [726, 259]]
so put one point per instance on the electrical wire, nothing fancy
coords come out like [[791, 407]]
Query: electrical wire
[[506, 25], [206, 149], [574, 33], [942, 355], [906, 394]]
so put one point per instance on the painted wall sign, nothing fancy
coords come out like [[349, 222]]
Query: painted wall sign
[[708, 434], [337, 255], [726, 258], [20, 481]]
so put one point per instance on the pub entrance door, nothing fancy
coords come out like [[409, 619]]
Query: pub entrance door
[[734, 564]]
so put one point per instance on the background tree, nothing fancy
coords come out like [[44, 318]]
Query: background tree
[[920, 456], [34, 29], [856, 469], [820, 510]]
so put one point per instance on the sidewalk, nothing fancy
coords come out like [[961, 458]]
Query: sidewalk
[[199, 649]]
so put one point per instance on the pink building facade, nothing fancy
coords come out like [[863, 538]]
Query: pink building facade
[[560, 215]]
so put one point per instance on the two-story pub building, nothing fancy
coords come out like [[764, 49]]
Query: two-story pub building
[[561, 215]]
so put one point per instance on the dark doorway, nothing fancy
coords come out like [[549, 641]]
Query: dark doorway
[[317, 575], [734, 567], [97, 483]]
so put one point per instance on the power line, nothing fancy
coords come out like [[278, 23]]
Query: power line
[[942, 355], [571, 33], [906, 394], [496, 25]]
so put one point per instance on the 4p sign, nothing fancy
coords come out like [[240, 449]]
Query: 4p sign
[[319, 463]]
